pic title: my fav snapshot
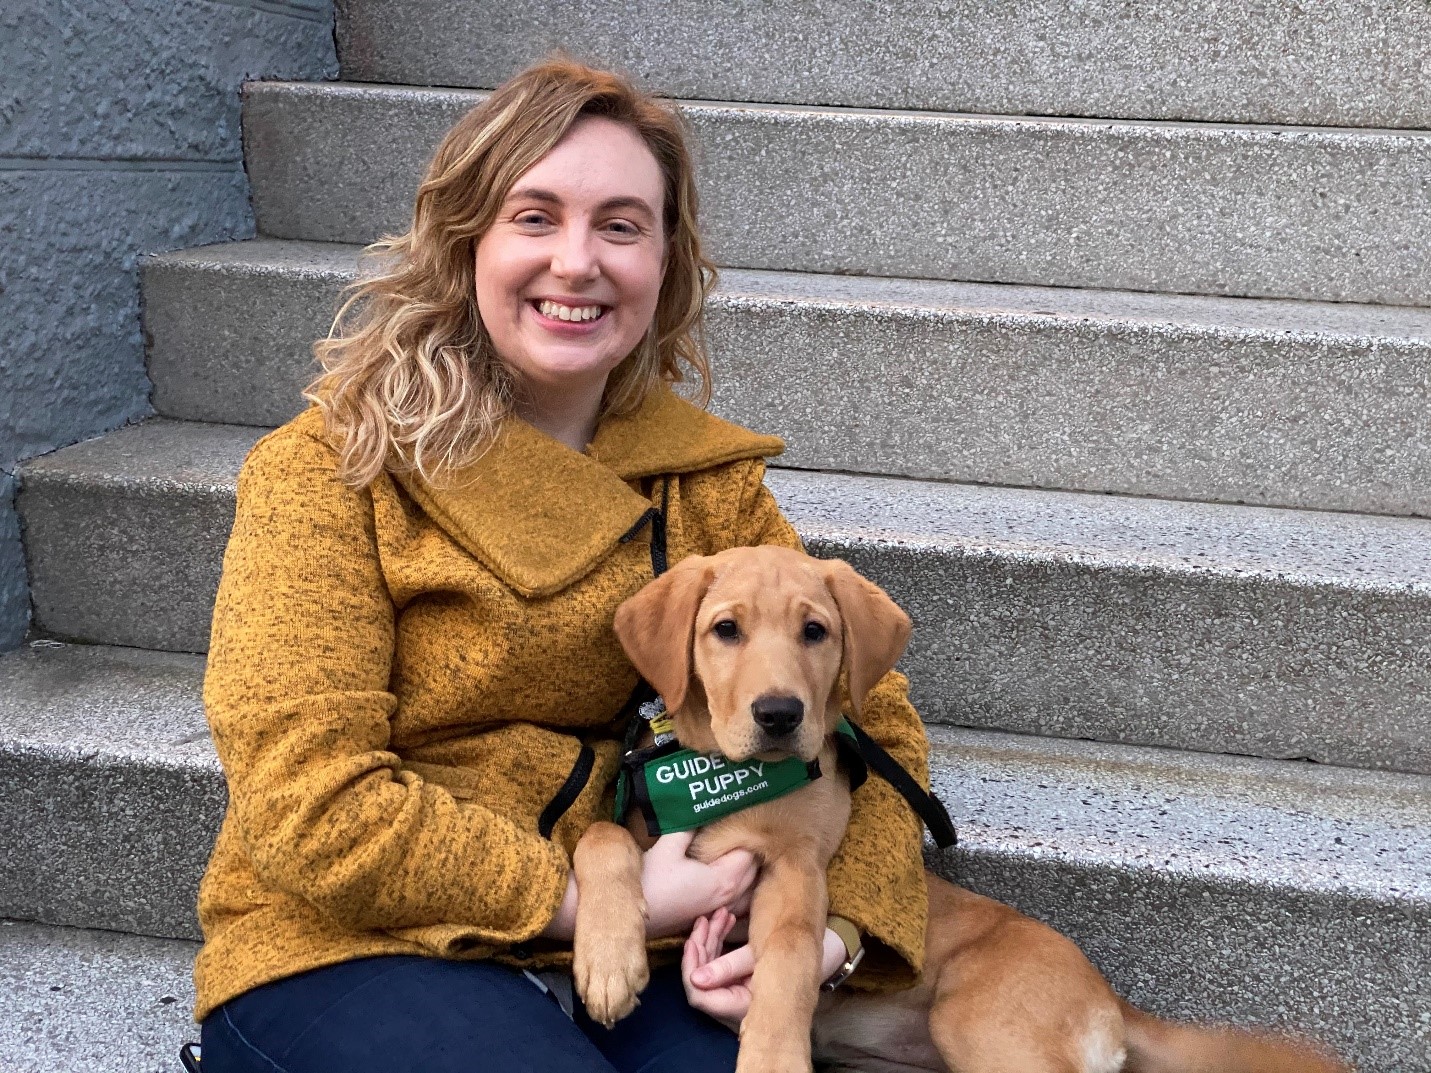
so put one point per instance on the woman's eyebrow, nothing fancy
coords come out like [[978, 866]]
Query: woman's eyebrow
[[532, 193], [627, 203]]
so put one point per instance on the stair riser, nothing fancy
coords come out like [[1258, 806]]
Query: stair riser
[[1178, 412], [123, 565], [1009, 638], [1042, 645], [1182, 411], [110, 841], [234, 347], [1303, 214], [1334, 64]]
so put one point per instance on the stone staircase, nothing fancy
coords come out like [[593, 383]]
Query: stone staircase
[[1128, 408]]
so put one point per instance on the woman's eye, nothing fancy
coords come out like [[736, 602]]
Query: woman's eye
[[726, 629], [815, 632], [532, 219], [623, 229]]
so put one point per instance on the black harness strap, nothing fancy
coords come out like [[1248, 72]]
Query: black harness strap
[[580, 773], [928, 807], [856, 770], [656, 516], [659, 565]]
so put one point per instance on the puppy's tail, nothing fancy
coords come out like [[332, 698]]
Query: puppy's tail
[[1156, 1046]]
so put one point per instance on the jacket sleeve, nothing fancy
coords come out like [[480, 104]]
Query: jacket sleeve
[[297, 698], [876, 879]]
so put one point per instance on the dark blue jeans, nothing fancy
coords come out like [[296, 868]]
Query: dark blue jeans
[[425, 1015]]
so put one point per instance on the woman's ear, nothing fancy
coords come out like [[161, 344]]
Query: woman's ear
[[876, 629], [657, 627]]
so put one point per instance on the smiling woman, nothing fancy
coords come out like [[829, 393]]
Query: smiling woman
[[566, 186], [413, 681]]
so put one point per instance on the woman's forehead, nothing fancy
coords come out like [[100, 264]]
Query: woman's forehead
[[598, 162]]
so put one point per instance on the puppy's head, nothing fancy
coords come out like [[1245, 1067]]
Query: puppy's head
[[747, 646]]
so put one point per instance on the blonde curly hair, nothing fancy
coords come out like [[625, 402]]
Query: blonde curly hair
[[410, 379]]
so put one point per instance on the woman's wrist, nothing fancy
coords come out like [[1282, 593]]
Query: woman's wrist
[[832, 954], [562, 925]]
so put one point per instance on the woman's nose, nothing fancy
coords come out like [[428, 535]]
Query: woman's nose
[[575, 256]]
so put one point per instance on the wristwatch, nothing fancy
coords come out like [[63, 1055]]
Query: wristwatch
[[854, 950]]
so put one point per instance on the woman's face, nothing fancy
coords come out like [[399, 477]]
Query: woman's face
[[568, 276]]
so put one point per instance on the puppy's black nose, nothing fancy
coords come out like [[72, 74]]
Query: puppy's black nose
[[777, 715]]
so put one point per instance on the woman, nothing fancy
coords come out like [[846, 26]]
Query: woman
[[413, 684]]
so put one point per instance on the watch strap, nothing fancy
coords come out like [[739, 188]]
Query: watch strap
[[854, 951]]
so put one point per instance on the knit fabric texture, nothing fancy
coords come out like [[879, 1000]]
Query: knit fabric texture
[[400, 678]]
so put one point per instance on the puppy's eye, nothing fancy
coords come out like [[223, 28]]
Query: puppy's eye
[[726, 629], [815, 632]]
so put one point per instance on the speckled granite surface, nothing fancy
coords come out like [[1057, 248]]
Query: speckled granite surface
[[1310, 212], [1336, 62], [1202, 626], [80, 1001], [1247, 400]]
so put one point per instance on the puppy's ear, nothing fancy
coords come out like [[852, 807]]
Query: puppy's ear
[[876, 630], [657, 627]]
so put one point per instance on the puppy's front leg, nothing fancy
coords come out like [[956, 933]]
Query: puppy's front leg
[[609, 945], [787, 931]]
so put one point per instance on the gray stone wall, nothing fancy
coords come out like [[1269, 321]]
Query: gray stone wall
[[119, 136]]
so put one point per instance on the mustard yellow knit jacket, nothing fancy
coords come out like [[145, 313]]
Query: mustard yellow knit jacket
[[401, 678]]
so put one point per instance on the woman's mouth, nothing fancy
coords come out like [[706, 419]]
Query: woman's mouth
[[569, 314]]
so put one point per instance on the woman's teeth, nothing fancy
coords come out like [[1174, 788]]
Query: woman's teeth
[[561, 312]]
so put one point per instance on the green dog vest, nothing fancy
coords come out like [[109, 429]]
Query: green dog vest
[[679, 789]]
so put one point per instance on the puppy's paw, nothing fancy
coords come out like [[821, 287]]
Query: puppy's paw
[[609, 977]]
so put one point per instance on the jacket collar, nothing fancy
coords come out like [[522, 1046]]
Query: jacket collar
[[540, 516]]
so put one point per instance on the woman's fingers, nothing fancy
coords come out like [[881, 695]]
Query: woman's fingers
[[730, 968], [715, 933], [679, 888], [721, 923], [726, 996], [694, 953], [710, 945]]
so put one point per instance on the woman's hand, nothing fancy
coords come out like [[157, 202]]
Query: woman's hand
[[724, 988], [679, 889], [719, 984]]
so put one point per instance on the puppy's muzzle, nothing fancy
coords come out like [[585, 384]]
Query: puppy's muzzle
[[778, 716]]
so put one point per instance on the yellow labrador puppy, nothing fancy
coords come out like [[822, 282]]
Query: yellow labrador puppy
[[747, 648]]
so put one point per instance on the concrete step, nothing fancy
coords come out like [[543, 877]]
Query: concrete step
[[125, 534], [1264, 401], [1273, 892], [1335, 64], [79, 1001], [111, 777], [1212, 627], [1295, 212]]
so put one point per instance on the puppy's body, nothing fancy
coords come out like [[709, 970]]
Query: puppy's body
[[991, 971], [718, 638]]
